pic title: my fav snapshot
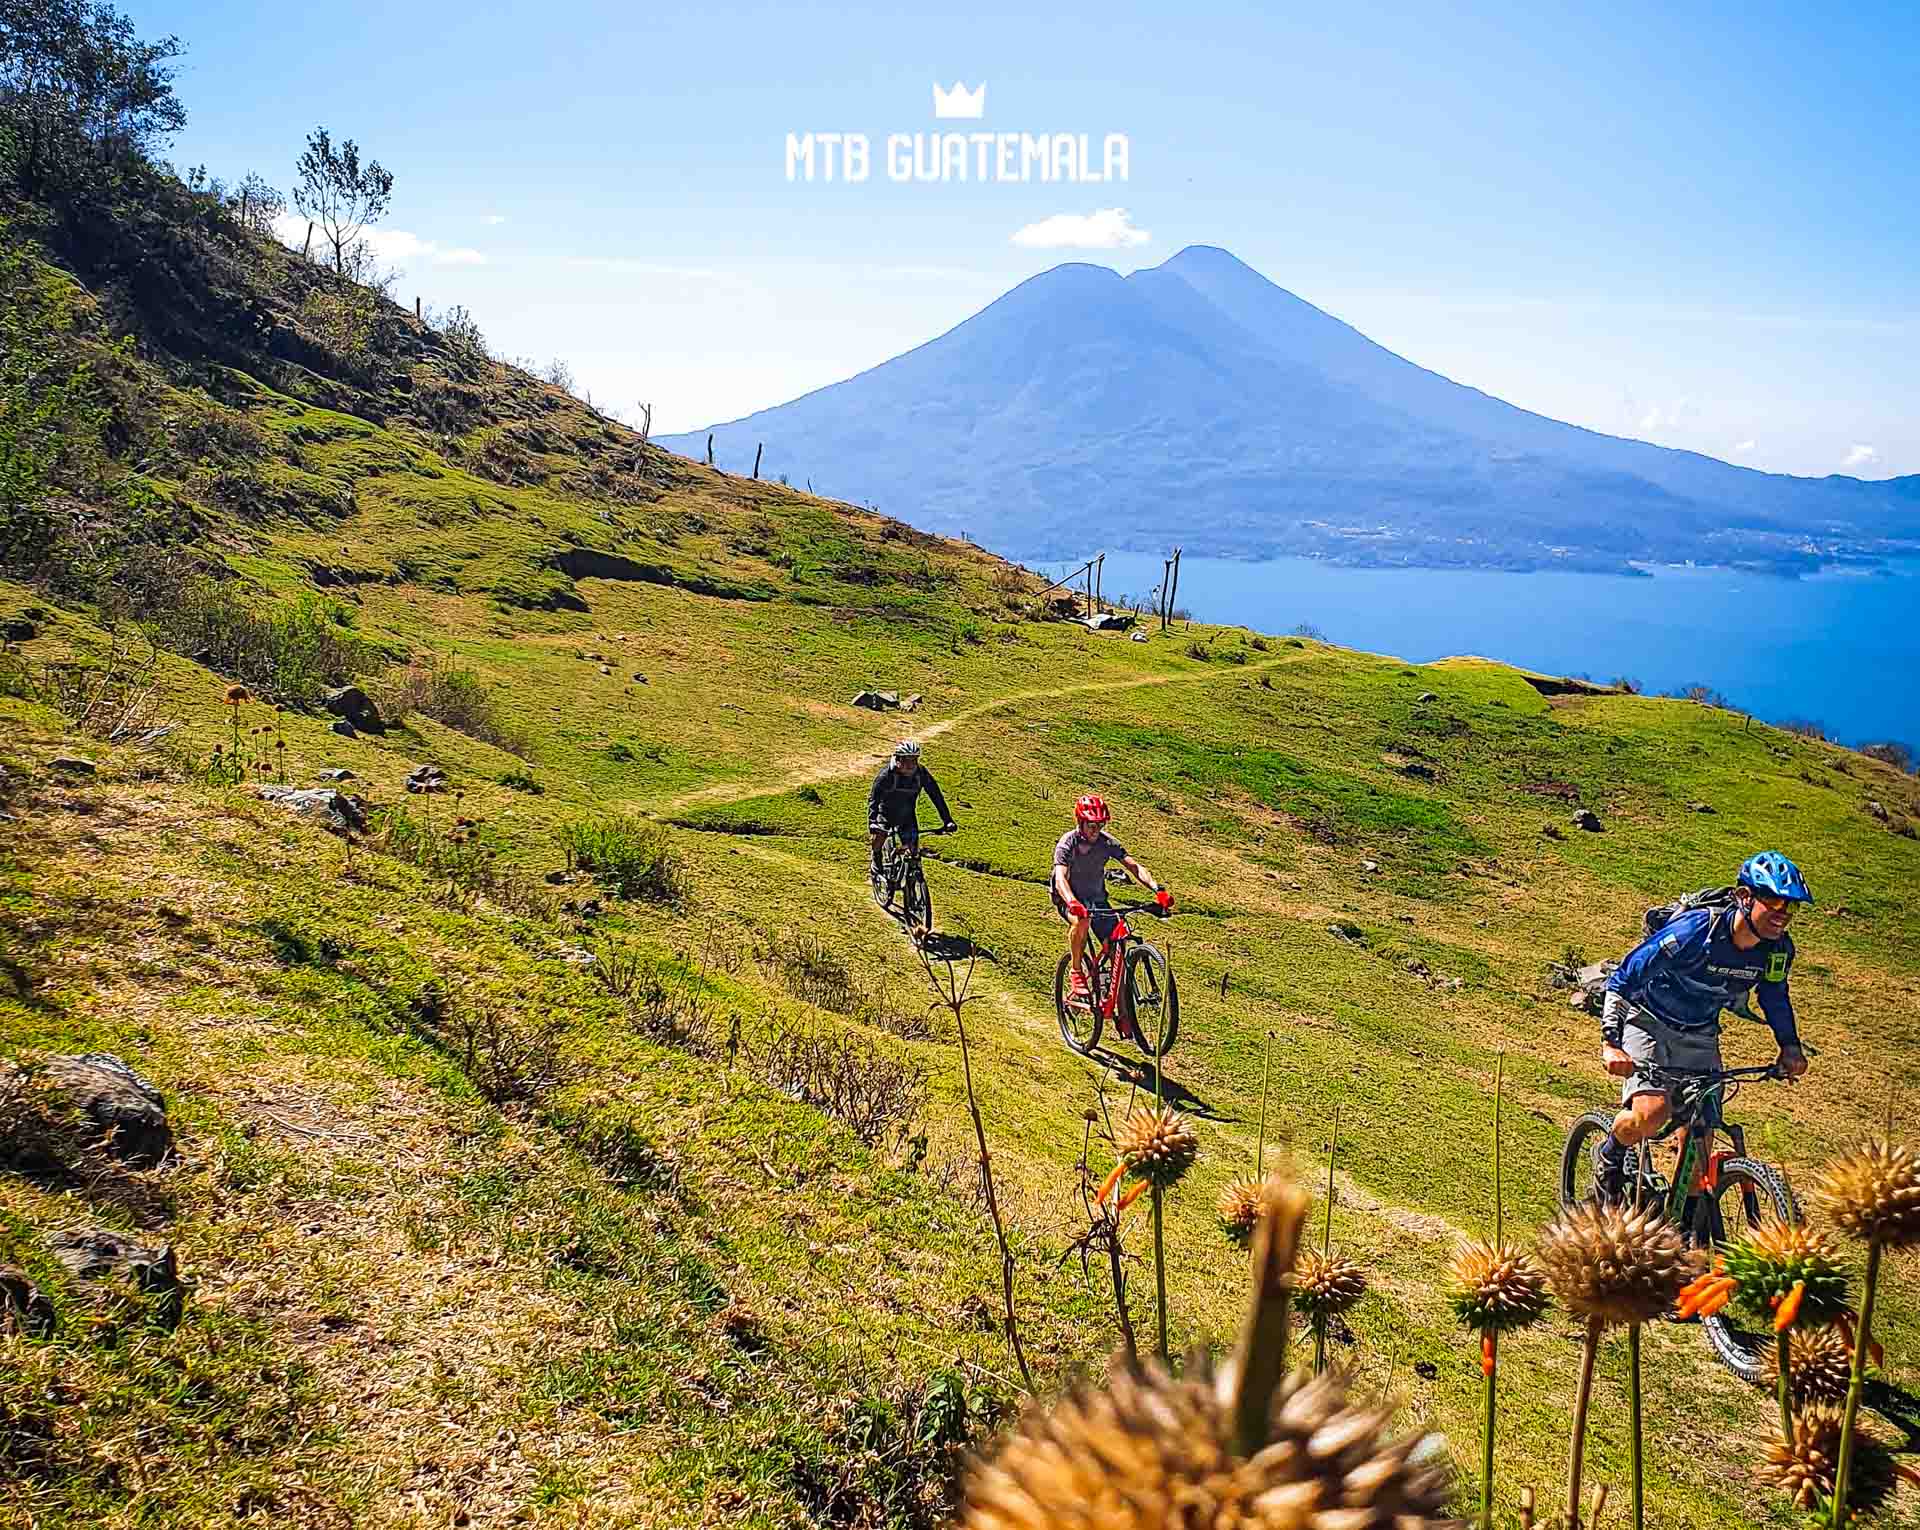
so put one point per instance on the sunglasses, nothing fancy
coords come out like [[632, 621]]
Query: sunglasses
[[1782, 907]]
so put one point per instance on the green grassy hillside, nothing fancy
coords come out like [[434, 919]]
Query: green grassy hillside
[[505, 1199]]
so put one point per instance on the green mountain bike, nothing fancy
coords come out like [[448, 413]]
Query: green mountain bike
[[901, 874], [1713, 1198]]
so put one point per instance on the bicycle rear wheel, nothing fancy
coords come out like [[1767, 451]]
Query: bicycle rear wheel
[[1152, 1000], [1747, 1196], [1079, 1027]]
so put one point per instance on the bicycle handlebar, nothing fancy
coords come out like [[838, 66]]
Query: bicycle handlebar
[[1714, 1075]]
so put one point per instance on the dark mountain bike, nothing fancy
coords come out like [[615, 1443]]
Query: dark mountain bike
[[1129, 983], [901, 874], [1713, 1198]]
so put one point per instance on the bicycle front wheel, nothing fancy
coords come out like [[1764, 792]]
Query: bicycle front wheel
[[1152, 999], [916, 901], [1747, 1196], [1079, 1024]]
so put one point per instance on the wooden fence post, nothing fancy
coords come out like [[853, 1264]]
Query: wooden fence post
[[416, 308], [756, 459], [308, 246], [709, 448], [1176, 582]]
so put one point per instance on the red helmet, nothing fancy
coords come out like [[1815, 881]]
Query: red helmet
[[1091, 809]]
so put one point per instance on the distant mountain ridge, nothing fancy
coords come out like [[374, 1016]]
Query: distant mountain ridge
[[1197, 401]]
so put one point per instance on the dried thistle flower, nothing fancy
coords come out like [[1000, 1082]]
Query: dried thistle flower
[[1497, 1288], [234, 695], [1770, 1262], [1614, 1265], [1158, 1146], [1150, 1452], [1240, 1206], [1819, 1363], [1326, 1285], [1873, 1193], [1804, 1467]]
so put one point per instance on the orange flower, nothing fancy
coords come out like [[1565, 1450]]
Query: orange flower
[[1106, 1185], [1486, 1353], [1132, 1195], [1789, 1308]]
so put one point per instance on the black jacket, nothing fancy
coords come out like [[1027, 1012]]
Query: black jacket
[[895, 797]]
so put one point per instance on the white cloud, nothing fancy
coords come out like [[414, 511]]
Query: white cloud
[[494, 220], [389, 245], [1860, 455], [1108, 229], [1741, 448]]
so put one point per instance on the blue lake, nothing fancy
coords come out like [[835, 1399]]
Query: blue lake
[[1841, 648]]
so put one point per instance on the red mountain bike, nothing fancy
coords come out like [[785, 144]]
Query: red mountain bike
[[1129, 983]]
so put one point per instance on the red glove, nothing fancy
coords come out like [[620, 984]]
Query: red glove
[[1077, 909], [1163, 898]]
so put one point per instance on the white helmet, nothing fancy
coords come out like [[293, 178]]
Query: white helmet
[[906, 749]]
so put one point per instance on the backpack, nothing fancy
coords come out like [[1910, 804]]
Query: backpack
[[1589, 984]]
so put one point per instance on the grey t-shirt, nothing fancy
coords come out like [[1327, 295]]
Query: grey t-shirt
[[1086, 863]]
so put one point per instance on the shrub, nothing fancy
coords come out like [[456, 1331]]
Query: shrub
[[1805, 727], [1198, 650], [633, 859], [1309, 630], [513, 1060], [1891, 752], [875, 1093], [520, 781], [291, 652], [1257, 643], [456, 698], [1628, 684]]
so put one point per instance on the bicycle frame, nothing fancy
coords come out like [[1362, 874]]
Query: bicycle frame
[[1696, 1117], [1113, 955]]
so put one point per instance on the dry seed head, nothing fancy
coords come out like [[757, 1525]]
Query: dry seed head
[[1149, 1452], [1614, 1265], [1804, 1467], [1769, 1262], [1497, 1288], [234, 695], [1873, 1193], [1158, 1146], [1820, 1363], [1242, 1202], [1325, 1285]]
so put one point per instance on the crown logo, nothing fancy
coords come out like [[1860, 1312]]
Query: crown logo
[[959, 102]]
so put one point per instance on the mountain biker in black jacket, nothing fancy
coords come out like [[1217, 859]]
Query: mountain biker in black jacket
[[893, 803]]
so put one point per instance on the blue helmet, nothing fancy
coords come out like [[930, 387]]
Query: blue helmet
[[1772, 873]]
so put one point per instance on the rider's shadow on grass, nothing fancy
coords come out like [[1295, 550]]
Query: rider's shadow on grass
[[1140, 1074], [952, 948], [1899, 1407]]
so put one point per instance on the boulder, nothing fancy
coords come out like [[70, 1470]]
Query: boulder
[[1699, 807], [1586, 818], [427, 778], [351, 704], [1419, 772], [23, 1309], [336, 775], [1139, 637], [73, 765], [332, 809], [912, 703], [1878, 810], [17, 629], [346, 729], [1425, 696], [877, 701], [128, 1109], [100, 1254]]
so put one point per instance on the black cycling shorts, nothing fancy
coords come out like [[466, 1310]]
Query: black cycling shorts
[[1104, 920]]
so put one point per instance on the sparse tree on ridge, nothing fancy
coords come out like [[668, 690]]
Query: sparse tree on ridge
[[256, 203], [341, 195], [79, 91]]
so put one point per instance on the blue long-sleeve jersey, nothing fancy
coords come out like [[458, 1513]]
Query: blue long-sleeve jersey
[[1690, 970]]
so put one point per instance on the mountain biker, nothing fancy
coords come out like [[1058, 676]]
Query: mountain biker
[[1079, 885], [1663, 1003], [893, 803]]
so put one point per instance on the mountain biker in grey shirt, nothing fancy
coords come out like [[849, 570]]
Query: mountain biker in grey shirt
[[1079, 882]]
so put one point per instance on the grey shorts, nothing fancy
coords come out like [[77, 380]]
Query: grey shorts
[[1649, 1041]]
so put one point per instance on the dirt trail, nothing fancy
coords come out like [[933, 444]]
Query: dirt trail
[[832, 765]]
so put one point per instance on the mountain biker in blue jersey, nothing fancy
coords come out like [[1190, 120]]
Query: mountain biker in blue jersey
[[893, 803], [1663, 1002]]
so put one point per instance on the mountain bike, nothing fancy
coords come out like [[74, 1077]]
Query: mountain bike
[[1129, 983], [1713, 1198], [901, 872]]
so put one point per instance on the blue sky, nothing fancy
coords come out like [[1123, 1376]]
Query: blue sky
[[1695, 224]]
